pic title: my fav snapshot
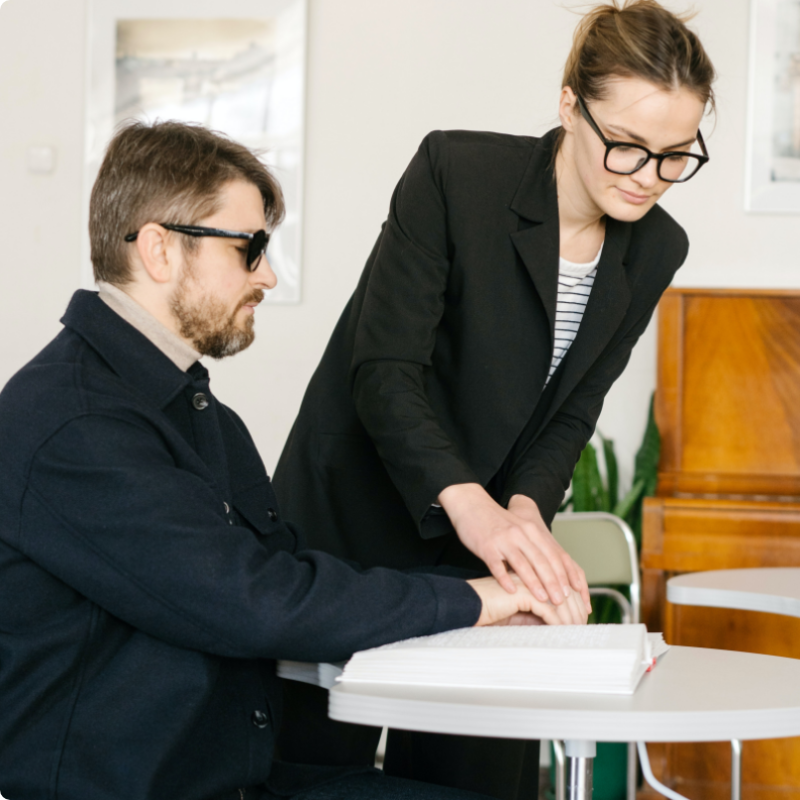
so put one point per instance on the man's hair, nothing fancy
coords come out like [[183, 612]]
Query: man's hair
[[169, 172]]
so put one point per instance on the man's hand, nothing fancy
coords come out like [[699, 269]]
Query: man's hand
[[522, 608], [514, 538]]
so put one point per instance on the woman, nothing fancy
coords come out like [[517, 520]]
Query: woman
[[502, 299]]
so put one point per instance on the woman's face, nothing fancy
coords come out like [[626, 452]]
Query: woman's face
[[636, 111]]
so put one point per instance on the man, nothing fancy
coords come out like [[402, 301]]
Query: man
[[147, 579]]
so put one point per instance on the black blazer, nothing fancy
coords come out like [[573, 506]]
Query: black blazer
[[148, 581], [440, 358]]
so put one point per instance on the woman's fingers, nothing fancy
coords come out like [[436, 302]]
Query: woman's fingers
[[521, 563], [499, 571]]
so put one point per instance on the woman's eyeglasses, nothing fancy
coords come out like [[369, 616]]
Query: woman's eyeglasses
[[257, 247], [624, 158]]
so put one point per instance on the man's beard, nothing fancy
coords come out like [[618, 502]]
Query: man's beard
[[208, 324]]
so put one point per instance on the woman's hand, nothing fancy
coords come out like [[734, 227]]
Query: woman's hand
[[500, 607], [514, 538]]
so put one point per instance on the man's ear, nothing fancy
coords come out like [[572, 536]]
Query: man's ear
[[156, 257], [567, 108]]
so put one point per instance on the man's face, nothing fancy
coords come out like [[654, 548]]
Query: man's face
[[215, 299]]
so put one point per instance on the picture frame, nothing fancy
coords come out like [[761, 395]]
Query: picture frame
[[237, 67], [772, 181]]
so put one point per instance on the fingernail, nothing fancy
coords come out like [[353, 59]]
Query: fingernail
[[566, 591], [542, 595]]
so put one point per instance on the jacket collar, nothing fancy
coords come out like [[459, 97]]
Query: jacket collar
[[135, 359], [537, 243]]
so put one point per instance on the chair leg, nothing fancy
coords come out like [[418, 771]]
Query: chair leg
[[561, 770], [736, 769]]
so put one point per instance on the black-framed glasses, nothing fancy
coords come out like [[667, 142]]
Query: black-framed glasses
[[624, 158], [257, 247]]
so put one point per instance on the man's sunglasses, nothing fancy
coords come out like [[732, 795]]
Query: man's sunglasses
[[257, 247]]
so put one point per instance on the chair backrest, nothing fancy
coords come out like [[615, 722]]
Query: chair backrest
[[603, 545]]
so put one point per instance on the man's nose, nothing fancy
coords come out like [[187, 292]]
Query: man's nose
[[263, 274]]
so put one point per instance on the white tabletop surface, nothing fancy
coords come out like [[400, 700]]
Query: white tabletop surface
[[692, 695], [775, 590]]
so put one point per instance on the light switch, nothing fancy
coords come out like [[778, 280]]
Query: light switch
[[41, 160]]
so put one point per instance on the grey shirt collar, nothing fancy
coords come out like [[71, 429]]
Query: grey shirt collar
[[169, 343]]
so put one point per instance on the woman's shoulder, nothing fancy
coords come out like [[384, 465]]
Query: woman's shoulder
[[659, 226], [463, 143], [487, 152]]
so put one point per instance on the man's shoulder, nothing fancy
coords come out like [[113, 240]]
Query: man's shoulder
[[66, 380]]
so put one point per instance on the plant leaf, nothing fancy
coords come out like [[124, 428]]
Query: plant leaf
[[623, 508], [612, 472], [588, 492]]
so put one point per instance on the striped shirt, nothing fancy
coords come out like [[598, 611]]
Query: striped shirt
[[575, 283]]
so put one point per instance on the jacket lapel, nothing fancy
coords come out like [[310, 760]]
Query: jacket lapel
[[537, 242], [605, 311], [537, 239], [538, 247]]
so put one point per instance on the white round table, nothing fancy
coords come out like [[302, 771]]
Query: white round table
[[775, 590], [692, 695]]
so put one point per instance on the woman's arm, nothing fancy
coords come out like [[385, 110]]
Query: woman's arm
[[396, 334], [543, 473], [395, 339]]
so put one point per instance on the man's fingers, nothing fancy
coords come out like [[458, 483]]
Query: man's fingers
[[577, 579]]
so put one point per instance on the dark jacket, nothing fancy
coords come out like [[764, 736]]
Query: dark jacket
[[438, 363], [148, 581]]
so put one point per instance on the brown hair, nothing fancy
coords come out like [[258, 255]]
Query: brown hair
[[637, 38], [166, 172]]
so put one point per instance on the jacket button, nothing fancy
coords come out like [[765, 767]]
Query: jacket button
[[259, 718], [272, 514], [200, 401]]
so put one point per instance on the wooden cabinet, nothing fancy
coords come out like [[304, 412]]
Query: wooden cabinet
[[728, 408]]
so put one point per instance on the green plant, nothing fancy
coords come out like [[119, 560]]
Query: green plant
[[590, 492]]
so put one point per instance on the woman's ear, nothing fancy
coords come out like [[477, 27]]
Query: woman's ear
[[567, 108], [152, 244]]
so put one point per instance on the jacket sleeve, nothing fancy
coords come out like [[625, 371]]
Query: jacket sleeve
[[544, 471], [396, 333], [109, 512]]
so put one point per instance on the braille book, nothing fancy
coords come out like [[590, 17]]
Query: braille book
[[605, 659]]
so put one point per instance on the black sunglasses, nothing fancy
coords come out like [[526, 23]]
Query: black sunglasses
[[624, 158], [257, 247]]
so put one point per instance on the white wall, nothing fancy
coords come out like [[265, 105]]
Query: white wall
[[381, 74]]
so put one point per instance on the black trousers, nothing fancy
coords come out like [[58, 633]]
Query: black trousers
[[505, 769]]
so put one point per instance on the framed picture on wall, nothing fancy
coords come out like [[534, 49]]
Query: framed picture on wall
[[237, 67], [773, 136]]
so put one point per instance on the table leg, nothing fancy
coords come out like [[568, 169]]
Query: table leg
[[560, 770], [736, 769], [580, 759], [632, 772]]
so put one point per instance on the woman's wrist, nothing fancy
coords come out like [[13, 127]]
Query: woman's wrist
[[460, 497], [522, 501]]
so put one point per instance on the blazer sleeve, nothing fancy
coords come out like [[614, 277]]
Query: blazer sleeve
[[109, 512], [396, 333], [544, 471]]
